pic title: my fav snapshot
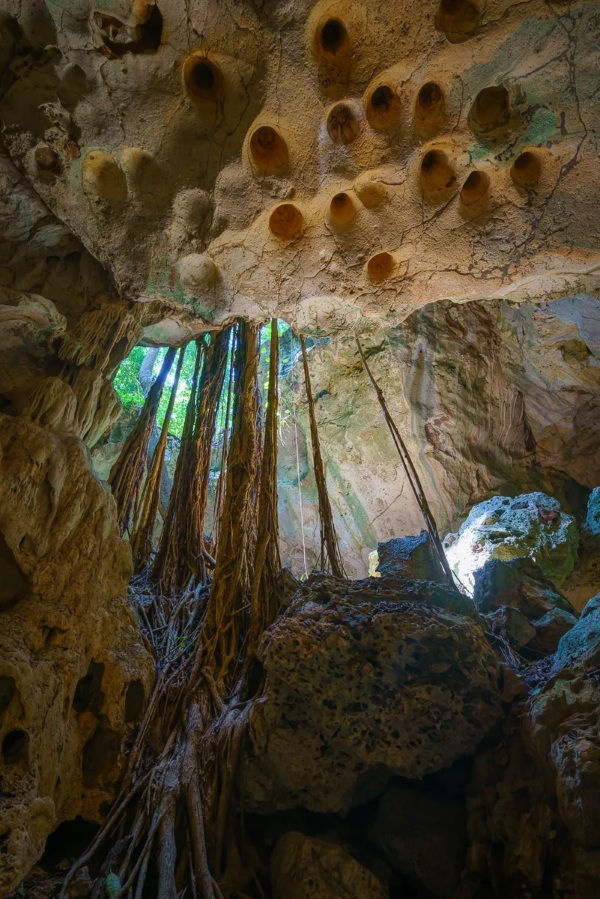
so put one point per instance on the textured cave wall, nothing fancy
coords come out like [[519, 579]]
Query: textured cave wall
[[164, 167], [336, 163], [491, 398], [74, 673]]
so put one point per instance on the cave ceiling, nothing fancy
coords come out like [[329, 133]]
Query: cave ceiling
[[336, 164]]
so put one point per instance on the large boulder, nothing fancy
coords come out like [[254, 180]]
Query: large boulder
[[523, 605], [532, 524], [364, 680], [592, 519], [306, 868]]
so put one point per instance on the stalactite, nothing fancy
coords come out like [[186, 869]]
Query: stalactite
[[128, 471], [141, 542], [330, 552], [96, 334]]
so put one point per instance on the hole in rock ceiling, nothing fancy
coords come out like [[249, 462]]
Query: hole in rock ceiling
[[380, 266], [383, 108], [437, 175], [133, 380], [286, 221], [204, 81], [429, 108], [526, 170], [269, 150], [342, 210], [475, 188], [342, 125], [203, 76], [333, 36], [458, 19], [490, 113]]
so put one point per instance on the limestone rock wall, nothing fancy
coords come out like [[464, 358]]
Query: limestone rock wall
[[62, 329], [490, 397], [74, 673]]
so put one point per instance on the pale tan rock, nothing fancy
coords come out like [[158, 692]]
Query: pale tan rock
[[456, 132]]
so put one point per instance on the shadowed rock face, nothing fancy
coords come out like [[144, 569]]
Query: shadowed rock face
[[335, 163], [305, 868], [523, 605]]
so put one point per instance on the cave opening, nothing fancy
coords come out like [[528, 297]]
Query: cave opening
[[299, 450], [67, 842]]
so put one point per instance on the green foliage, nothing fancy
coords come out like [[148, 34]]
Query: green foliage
[[126, 381], [131, 394], [183, 393]]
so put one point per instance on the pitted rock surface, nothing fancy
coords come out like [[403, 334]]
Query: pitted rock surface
[[335, 163], [364, 680]]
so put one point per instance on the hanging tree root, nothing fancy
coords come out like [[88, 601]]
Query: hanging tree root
[[411, 474], [128, 471], [182, 553], [169, 570], [175, 819], [267, 564], [211, 389], [228, 418], [329, 542], [141, 541]]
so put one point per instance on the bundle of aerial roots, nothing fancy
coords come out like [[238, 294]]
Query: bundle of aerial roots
[[176, 828]]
